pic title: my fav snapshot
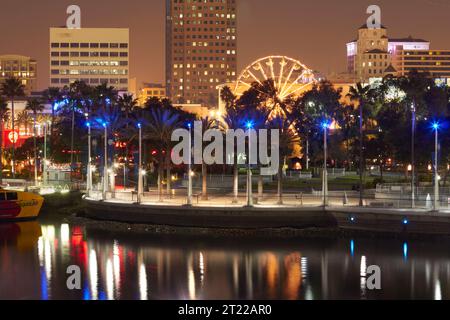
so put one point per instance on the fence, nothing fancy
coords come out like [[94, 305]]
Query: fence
[[314, 198]]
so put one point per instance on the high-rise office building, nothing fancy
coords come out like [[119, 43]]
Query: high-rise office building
[[21, 67], [201, 49], [92, 55]]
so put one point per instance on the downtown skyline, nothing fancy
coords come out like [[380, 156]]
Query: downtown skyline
[[315, 33]]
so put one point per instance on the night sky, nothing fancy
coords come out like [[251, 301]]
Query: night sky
[[314, 32]]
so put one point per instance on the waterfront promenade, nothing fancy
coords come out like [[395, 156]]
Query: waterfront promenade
[[297, 211]]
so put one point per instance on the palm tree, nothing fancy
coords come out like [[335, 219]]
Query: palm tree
[[360, 94], [288, 139], [259, 117], [4, 115], [34, 105], [23, 119], [78, 93], [127, 103], [232, 121], [207, 124], [105, 95], [13, 88], [159, 123], [52, 96]]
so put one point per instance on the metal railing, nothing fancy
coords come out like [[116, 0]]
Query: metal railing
[[290, 199]]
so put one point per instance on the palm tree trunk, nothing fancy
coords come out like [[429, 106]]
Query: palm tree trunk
[[14, 140], [361, 156], [35, 150], [260, 186], [204, 182], [235, 183], [52, 127], [72, 143], [169, 175], [2, 127], [280, 184], [160, 174]]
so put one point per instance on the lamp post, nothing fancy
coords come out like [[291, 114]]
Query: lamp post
[[413, 160], [189, 196], [44, 168], [140, 175], [105, 169], [436, 175], [125, 174], [249, 126], [325, 171], [89, 164]]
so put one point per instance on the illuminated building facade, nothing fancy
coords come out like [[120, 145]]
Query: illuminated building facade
[[201, 49], [21, 67], [150, 90], [92, 55], [373, 55], [434, 62]]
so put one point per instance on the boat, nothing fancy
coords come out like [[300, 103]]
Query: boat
[[19, 205]]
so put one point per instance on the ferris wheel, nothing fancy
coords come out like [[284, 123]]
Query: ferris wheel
[[290, 76]]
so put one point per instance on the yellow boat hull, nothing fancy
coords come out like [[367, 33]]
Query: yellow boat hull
[[17, 205]]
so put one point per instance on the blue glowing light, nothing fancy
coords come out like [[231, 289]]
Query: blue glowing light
[[405, 251], [352, 248], [86, 293], [104, 124], [88, 124], [352, 219], [189, 125], [436, 125], [405, 221], [139, 125], [249, 124], [44, 289], [325, 125]]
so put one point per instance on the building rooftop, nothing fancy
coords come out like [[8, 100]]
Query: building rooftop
[[408, 39]]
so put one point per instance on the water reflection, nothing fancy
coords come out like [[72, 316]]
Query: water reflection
[[34, 259]]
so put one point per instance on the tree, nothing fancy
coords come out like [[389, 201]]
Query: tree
[[360, 94], [4, 115], [321, 103], [53, 96], [159, 124], [34, 105], [78, 94], [24, 120], [232, 120], [127, 104], [13, 88], [207, 124], [288, 139]]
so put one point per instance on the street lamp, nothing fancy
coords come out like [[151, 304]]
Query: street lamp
[[249, 126], [105, 169], [125, 174], [89, 165], [140, 175], [436, 127], [189, 196], [325, 126], [44, 168], [413, 160]]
